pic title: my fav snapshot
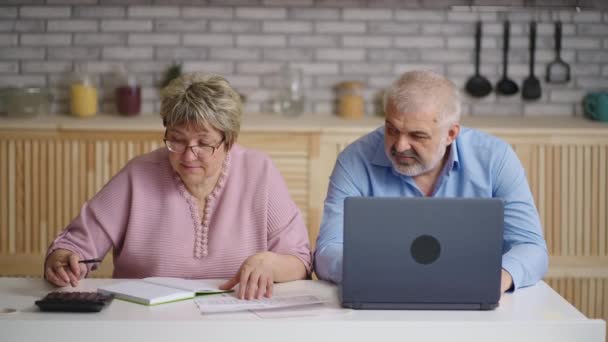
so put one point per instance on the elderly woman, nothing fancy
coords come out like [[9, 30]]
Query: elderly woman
[[201, 207]]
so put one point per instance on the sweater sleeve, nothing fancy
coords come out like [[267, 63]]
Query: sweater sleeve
[[101, 223], [287, 233]]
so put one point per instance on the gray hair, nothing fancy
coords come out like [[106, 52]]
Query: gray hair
[[419, 88], [200, 99]]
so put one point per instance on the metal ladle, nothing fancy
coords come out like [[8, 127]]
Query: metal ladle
[[477, 85], [506, 86]]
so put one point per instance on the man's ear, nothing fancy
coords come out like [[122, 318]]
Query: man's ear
[[453, 132]]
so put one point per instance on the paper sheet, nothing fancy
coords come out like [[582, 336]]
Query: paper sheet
[[228, 303], [323, 309]]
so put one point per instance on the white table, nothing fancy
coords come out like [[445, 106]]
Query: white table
[[533, 314]]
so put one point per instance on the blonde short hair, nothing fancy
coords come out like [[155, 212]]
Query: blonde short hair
[[200, 100], [416, 89]]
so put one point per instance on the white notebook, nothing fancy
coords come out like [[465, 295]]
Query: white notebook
[[158, 290]]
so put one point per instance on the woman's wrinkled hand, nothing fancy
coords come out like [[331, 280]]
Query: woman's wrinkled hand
[[62, 268], [255, 277]]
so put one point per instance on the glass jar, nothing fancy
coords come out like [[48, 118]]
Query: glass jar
[[127, 94], [83, 95], [350, 99], [292, 98]]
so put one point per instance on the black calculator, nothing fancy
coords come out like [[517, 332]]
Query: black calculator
[[74, 301]]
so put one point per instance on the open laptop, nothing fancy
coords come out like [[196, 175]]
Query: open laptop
[[422, 253]]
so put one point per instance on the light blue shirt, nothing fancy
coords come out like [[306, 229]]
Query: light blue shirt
[[479, 165]]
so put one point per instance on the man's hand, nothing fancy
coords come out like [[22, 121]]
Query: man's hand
[[506, 281], [62, 268], [255, 277]]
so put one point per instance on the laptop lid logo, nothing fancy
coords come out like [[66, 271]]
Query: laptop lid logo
[[425, 249]]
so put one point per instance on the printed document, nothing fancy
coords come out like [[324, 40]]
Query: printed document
[[229, 303]]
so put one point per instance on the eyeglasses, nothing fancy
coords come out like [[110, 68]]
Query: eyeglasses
[[200, 150]]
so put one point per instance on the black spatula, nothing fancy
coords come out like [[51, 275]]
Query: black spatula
[[558, 71], [531, 87]]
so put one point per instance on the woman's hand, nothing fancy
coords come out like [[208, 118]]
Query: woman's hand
[[255, 277], [62, 268]]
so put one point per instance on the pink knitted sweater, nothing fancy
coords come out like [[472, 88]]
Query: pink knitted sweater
[[151, 221]]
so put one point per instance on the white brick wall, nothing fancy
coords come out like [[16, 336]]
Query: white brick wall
[[71, 25], [236, 54], [153, 12], [100, 11], [261, 13], [8, 12], [290, 26], [249, 41], [208, 39], [45, 12], [96, 39], [126, 25], [153, 39], [180, 25], [8, 39], [9, 67], [122, 53]]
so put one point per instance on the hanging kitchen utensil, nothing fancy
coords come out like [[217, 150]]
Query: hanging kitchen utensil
[[531, 87], [558, 71], [506, 86], [478, 86]]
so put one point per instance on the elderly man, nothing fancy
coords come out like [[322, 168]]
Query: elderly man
[[427, 153]]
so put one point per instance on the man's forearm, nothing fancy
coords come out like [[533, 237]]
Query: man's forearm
[[328, 263]]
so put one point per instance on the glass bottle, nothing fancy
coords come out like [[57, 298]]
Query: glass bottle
[[83, 94], [127, 94], [292, 98], [350, 99]]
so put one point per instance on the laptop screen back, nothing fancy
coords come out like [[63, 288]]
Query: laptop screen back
[[422, 253]]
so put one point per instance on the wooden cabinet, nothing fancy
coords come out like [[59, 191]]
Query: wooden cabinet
[[46, 173]]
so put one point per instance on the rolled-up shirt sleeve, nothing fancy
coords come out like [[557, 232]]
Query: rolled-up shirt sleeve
[[329, 250], [524, 248]]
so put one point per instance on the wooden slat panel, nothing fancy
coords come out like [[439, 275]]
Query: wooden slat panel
[[106, 163], [556, 201], [26, 228], [73, 205], [90, 170], [19, 197], [591, 297], [586, 212], [541, 204], [593, 197], [82, 174], [68, 172], [35, 202], [603, 200], [114, 159], [565, 199], [605, 295], [59, 186], [579, 201], [571, 227], [4, 196], [99, 166], [44, 218], [51, 184]]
